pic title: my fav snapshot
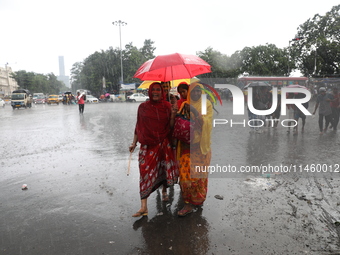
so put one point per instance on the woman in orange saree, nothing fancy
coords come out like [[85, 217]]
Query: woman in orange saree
[[197, 154]]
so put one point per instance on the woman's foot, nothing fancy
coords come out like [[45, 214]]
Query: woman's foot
[[188, 208], [165, 197], [140, 213]]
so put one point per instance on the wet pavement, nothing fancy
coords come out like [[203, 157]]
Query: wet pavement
[[80, 199]]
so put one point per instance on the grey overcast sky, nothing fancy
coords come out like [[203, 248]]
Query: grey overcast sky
[[35, 32]]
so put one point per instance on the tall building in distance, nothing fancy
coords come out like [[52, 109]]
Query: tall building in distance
[[61, 66], [62, 77]]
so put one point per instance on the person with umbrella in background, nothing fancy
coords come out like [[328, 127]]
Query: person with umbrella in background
[[157, 162], [81, 101]]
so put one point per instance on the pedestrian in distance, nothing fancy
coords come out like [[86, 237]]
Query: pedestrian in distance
[[157, 162], [335, 106], [277, 113], [299, 114], [81, 101], [255, 120], [291, 111], [325, 112]]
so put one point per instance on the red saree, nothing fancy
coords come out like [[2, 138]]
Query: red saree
[[157, 163]]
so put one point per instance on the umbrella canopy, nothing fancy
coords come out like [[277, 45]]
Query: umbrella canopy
[[257, 84], [172, 67], [146, 84]]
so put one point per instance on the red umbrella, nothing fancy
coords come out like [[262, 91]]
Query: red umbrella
[[172, 67]]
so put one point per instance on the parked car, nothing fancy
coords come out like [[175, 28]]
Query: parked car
[[137, 97], [91, 99], [53, 99], [60, 98], [2, 103]]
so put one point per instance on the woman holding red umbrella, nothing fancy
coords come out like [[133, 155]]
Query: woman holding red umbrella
[[157, 162]]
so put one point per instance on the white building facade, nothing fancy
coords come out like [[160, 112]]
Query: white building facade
[[7, 84]]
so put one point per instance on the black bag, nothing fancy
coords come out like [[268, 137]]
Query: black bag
[[84, 97]]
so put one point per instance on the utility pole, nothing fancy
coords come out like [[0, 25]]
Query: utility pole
[[120, 23]]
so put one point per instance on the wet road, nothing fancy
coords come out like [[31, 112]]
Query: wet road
[[80, 199]]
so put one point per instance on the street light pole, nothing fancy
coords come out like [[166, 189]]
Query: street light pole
[[120, 23]]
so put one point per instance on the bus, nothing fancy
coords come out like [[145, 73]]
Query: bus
[[274, 81]]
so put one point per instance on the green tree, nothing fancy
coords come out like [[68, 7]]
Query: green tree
[[76, 77], [221, 65], [147, 50], [264, 60], [38, 83], [54, 86], [24, 79], [318, 53], [106, 64]]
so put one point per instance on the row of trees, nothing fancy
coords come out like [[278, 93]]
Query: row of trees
[[260, 60], [317, 53], [106, 64], [39, 83]]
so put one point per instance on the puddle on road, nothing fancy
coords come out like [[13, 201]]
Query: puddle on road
[[262, 182]]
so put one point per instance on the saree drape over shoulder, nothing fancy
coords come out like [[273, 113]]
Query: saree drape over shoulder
[[197, 155], [157, 162]]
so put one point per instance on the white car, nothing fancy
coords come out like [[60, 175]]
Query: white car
[[2, 103], [137, 97], [91, 99]]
